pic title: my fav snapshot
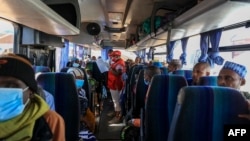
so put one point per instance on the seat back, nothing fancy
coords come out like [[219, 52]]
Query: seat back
[[131, 83], [62, 86], [141, 90], [164, 70], [186, 73], [41, 69], [160, 103], [86, 85], [202, 112], [96, 73], [208, 81]]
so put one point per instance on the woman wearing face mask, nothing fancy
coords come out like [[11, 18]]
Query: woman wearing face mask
[[87, 117], [23, 114]]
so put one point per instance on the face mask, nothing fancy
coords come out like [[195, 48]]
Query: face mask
[[146, 82], [11, 103], [75, 65], [79, 83]]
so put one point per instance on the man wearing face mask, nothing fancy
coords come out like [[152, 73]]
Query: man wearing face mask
[[23, 114], [116, 83], [149, 73]]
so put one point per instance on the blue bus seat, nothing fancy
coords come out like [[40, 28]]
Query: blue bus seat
[[202, 112], [208, 81], [160, 104], [186, 73], [140, 93], [164, 70], [62, 86], [41, 69], [86, 85], [130, 85]]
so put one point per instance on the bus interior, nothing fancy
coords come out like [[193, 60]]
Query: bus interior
[[53, 32]]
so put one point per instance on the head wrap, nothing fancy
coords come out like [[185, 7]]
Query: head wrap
[[239, 69], [18, 67], [157, 64], [77, 72]]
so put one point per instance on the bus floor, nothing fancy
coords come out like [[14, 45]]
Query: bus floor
[[104, 130]]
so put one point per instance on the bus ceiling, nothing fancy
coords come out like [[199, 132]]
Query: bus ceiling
[[99, 23]]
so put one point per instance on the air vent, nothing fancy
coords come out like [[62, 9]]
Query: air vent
[[114, 30]]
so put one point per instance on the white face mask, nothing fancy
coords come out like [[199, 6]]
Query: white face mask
[[11, 103]]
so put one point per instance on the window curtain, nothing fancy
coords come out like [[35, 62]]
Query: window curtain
[[204, 47], [170, 50], [150, 53], [64, 55], [143, 54], [104, 52], [81, 52], [184, 50], [214, 56], [137, 53]]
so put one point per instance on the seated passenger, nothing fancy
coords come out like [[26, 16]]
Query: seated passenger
[[27, 116], [87, 117], [149, 73], [200, 69], [174, 65], [233, 75]]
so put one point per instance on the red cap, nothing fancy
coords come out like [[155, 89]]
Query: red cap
[[116, 53]]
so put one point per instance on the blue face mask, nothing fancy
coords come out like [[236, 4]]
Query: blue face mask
[[75, 65], [11, 103], [146, 82], [79, 83]]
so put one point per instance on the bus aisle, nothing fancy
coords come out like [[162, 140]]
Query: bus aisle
[[104, 130]]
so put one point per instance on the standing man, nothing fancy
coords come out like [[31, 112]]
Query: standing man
[[116, 83]]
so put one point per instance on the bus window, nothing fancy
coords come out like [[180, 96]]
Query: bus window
[[237, 36], [160, 53], [6, 36], [193, 51]]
